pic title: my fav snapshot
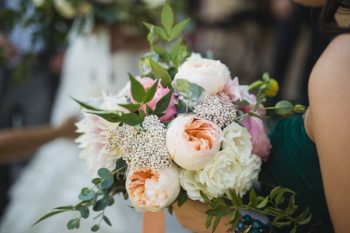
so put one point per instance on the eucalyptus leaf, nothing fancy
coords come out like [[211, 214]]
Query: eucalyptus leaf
[[96, 181], [106, 184], [87, 196], [95, 228], [182, 86], [105, 173], [73, 224], [84, 212], [284, 107], [100, 205], [107, 220]]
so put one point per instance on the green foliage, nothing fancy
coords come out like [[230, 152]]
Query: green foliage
[[163, 103], [182, 198], [284, 107], [86, 105], [279, 205], [160, 73], [191, 93], [137, 90], [165, 46], [97, 198]]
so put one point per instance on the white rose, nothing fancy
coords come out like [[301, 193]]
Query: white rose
[[238, 139], [154, 3], [194, 57], [192, 142], [211, 75], [229, 170], [151, 190], [189, 181]]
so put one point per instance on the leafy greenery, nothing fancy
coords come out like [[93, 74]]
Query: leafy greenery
[[268, 87], [167, 46], [191, 94], [97, 198], [279, 205]]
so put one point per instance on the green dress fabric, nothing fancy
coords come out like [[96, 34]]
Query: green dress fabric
[[294, 164]]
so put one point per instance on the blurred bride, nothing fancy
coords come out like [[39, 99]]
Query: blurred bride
[[56, 174]]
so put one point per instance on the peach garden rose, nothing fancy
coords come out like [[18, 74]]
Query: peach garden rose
[[152, 190], [192, 142]]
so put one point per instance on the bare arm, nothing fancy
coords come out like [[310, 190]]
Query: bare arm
[[329, 124], [153, 222], [17, 144]]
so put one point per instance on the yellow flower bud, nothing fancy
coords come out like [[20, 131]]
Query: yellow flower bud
[[272, 88]]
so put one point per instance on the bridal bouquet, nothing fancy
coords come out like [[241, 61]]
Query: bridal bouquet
[[181, 129]]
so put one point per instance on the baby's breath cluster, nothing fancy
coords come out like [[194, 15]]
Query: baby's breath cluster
[[146, 146], [218, 109]]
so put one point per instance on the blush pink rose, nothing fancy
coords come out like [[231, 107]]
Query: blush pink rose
[[170, 112], [260, 140]]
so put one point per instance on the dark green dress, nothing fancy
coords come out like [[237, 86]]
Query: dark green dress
[[294, 164]]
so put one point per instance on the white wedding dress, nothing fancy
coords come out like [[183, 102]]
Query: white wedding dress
[[56, 175]]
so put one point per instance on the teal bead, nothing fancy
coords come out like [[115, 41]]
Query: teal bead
[[240, 226], [247, 219], [257, 224]]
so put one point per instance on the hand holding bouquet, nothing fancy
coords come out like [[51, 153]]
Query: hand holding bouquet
[[182, 129]]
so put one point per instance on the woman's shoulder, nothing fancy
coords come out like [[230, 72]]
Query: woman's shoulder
[[332, 70]]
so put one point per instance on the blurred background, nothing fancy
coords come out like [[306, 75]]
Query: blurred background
[[53, 49]]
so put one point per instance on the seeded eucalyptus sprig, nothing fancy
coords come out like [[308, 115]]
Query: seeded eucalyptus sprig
[[96, 199], [268, 87], [279, 206]]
